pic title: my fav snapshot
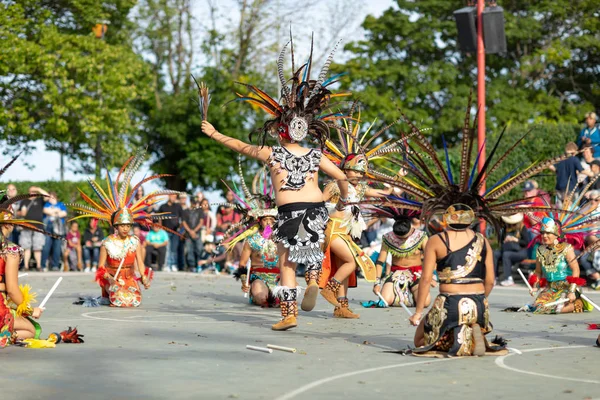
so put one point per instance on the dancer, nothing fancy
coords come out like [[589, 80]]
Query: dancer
[[342, 254], [302, 216], [258, 211], [459, 317], [406, 244], [122, 252], [17, 313]]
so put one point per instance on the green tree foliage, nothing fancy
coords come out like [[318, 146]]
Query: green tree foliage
[[410, 59], [60, 84]]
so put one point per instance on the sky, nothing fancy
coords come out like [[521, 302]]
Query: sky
[[45, 164]]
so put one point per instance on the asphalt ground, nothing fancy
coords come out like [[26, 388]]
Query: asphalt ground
[[188, 341]]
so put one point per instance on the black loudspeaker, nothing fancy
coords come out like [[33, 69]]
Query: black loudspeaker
[[493, 30], [467, 30]]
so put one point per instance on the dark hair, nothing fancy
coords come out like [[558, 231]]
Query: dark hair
[[401, 227]]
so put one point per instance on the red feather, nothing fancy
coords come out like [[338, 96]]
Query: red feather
[[577, 281], [71, 336], [593, 326], [102, 281]]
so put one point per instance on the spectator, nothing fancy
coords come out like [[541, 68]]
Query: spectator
[[514, 247], [536, 198], [587, 157], [31, 241], [11, 191], [590, 134], [595, 168], [213, 257], [73, 255], [141, 235], [594, 201], [566, 173], [199, 197], [192, 224], [174, 209], [92, 241], [228, 217], [209, 221], [591, 264], [55, 213], [183, 202], [156, 244]]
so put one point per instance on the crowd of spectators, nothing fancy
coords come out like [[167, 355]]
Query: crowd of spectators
[[190, 240]]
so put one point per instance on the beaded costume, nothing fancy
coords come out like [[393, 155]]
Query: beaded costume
[[118, 206]]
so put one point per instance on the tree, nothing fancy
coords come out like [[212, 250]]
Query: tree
[[60, 84], [410, 59]]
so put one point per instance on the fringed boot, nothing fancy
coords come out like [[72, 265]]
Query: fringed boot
[[312, 276], [343, 311], [330, 292], [289, 308]]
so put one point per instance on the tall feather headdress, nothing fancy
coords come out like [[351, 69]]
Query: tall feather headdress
[[436, 188], [117, 204], [252, 204], [303, 99]]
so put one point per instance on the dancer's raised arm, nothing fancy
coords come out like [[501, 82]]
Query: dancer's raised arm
[[257, 152]]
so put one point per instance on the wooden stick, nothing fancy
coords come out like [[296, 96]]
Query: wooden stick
[[256, 348], [119, 269], [524, 280], [247, 281], [58, 281], [583, 296], [382, 299], [281, 348]]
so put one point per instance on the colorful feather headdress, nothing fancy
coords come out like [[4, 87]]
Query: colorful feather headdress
[[355, 151], [571, 222], [7, 216], [118, 204], [435, 189], [252, 205], [303, 99]]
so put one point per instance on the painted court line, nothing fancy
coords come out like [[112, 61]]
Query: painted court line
[[500, 361]]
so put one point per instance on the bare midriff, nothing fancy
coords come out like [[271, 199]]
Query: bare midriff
[[411, 261], [450, 288]]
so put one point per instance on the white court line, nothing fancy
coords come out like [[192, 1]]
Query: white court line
[[500, 362], [320, 382], [92, 315]]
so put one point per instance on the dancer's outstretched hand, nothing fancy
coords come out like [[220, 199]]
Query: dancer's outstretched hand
[[208, 129]]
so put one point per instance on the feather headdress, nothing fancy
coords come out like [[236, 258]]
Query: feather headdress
[[253, 204], [303, 99], [355, 150], [571, 222], [436, 189], [118, 205]]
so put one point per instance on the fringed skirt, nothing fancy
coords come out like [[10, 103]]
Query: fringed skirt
[[451, 324], [404, 280], [301, 229]]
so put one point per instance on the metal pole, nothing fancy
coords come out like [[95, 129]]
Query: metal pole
[[481, 96]]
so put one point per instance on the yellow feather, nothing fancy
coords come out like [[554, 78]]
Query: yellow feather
[[241, 237], [28, 297], [39, 344]]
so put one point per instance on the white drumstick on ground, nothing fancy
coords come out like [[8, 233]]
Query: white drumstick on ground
[[22, 275], [261, 349], [43, 303]]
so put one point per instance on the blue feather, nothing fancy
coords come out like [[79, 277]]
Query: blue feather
[[447, 160], [333, 78], [475, 164]]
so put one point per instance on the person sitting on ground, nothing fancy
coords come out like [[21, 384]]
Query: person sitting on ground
[[591, 264]]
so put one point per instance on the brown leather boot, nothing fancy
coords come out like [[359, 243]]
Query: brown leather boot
[[309, 301], [330, 292], [289, 310], [343, 311]]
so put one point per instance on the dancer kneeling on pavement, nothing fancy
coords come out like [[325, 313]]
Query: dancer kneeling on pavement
[[302, 215], [255, 229], [121, 253], [556, 273], [406, 244], [459, 317]]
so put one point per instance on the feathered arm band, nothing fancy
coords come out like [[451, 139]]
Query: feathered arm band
[[101, 276], [25, 309], [240, 273], [574, 282], [536, 281]]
